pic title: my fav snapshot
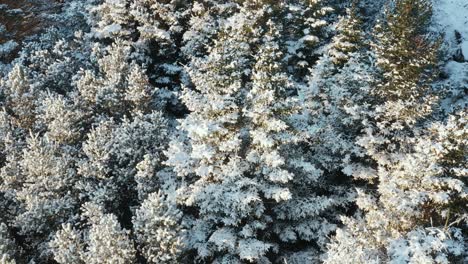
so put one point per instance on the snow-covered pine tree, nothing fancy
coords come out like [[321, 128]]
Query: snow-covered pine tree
[[16, 117], [107, 241], [42, 127], [67, 245], [7, 246], [10, 154], [118, 86], [153, 30], [306, 32], [19, 95], [263, 172], [327, 125], [305, 198], [237, 158], [37, 196], [140, 94], [207, 155], [62, 118], [403, 214], [45, 95], [161, 25], [406, 56], [42, 182], [267, 110], [105, 89], [111, 20], [405, 53], [157, 227], [55, 56], [333, 106], [420, 213], [349, 36], [111, 154], [103, 240], [205, 22]]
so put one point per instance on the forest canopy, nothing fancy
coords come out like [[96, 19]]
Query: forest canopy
[[233, 131]]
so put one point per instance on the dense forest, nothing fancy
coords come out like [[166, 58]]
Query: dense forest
[[233, 131]]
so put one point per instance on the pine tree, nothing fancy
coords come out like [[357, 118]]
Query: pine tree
[[267, 109], [104, 241], [140, 93], [206, 21], [307, 27], [158, 229], [67, 245], [161, 25], [111, 157], [406, 57], [349, 38], [404, 51], [20, 96], [112, 20], [293, 130], [419, 215], [107, 241], [63, 118], [242, 147], [207, 157], [11, 145], [153, 30], [404, 208], [41, 182], [7, 246], [106, 90], [48, 117]]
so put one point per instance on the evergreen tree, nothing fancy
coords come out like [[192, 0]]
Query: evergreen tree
[[205, 22], [62, 118], [153, 30], [157, 227], [307, 29], [7, 246], [419, 215], [107, 241], [404, 51], [42, 183], [349, 36], [111, 20], [161, 25], [106, 89], [245, 150], [19, 97], [404, 208], [104, 242], [207, 156], [67, 245], [108, 170]]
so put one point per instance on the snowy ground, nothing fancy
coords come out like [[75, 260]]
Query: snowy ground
[[451, 16]]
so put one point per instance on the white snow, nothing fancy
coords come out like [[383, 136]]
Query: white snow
[[108, 30], [452, 15], [7, 47]]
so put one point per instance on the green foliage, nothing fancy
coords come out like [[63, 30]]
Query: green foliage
[[405, 51]]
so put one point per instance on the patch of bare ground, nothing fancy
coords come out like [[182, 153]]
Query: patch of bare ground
[[22, 18]]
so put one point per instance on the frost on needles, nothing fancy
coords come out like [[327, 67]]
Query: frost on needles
[[234, 131]]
